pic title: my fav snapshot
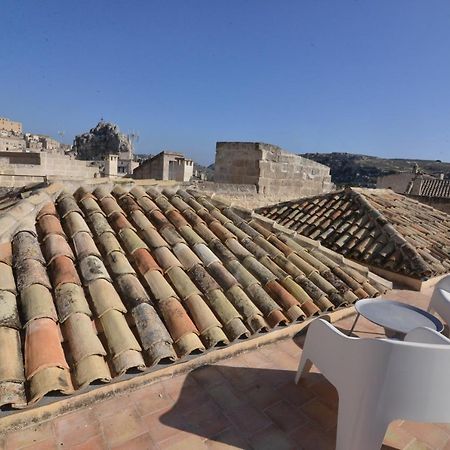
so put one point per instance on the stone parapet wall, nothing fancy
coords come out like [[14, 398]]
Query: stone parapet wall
[[244, 195], [274, 172], [237, 162], [36, 166]]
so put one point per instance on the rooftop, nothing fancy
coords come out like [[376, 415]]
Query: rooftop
[[248, 401], [434, 188], [101, 286], [376, 227]]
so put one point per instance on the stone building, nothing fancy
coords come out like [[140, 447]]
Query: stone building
[[10, 125], [25, 167], [166, 166], [427, 189], [272, 170], [11, 143]]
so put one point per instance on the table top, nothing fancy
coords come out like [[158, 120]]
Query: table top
[[396, 316]]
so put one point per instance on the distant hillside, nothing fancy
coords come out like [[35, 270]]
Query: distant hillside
[[362, 170]]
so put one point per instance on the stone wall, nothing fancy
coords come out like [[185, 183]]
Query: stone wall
[[243, 195], [30, 167], [275, 172], [398, 182]]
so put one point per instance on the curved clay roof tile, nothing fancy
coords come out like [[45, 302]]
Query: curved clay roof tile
[[55, 245], [49, 225], [43, 347], [62, 270], [85, 246]]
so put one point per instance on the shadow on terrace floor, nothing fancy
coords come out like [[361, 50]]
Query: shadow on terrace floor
[[259, 407], [255, 408]]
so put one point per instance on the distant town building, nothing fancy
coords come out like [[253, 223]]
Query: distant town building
[[166, 166], [272, 170], [11, 143], [10, 125], [427, 189]]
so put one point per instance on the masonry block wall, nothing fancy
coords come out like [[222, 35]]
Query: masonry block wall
[[272, 170], [23, 164]]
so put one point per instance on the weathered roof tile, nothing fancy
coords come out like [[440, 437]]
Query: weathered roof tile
[[208, 277]]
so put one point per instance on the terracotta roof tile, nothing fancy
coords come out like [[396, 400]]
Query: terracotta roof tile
[[55, 245], [36, 302], [70, 299], [165, 274], [104, 297], [9, 314], [63, 271], [377, 227], [49, 224]]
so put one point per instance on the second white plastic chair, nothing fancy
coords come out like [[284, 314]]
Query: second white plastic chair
[[380, 380]]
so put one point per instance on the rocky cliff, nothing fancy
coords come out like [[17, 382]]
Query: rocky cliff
[[103, 139]]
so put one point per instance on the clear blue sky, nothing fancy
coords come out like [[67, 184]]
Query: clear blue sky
[[367, 77]]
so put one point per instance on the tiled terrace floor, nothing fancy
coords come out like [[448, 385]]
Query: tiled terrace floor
[[247, 401]]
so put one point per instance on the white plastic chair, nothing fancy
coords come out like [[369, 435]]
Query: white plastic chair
[[380, 380], [440, 300]]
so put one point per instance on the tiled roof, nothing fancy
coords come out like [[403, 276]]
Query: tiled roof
[[432, 187], [374, 226], [96, 284]]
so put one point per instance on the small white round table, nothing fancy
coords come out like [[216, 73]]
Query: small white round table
[[396, 318]]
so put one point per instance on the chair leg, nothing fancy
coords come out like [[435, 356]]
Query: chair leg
[[359, 429], [303, 367]]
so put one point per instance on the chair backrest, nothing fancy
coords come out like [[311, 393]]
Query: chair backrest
[[440, 299], [417, 379], [403, 379]]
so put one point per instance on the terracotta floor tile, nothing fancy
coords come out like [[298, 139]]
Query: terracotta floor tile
[[173, 386], [226, 397], [262, 396], [396, 436], [152, 398], [326, 393], [285, 416], [227, 440], [76, 428], [312, 437], [280, 359], [112, 406], [48, 444], [93, 443], [141, 442], [189, 397], [241, 378], [320, 413], [290, 347], [271, 438], [207, 420], [248, 420], [122, 426], [429, 434], [274, 376], [29, 436], [296, 394], [235, 361], [256, 359], [164, 424], [183, 441], [208, 376]]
